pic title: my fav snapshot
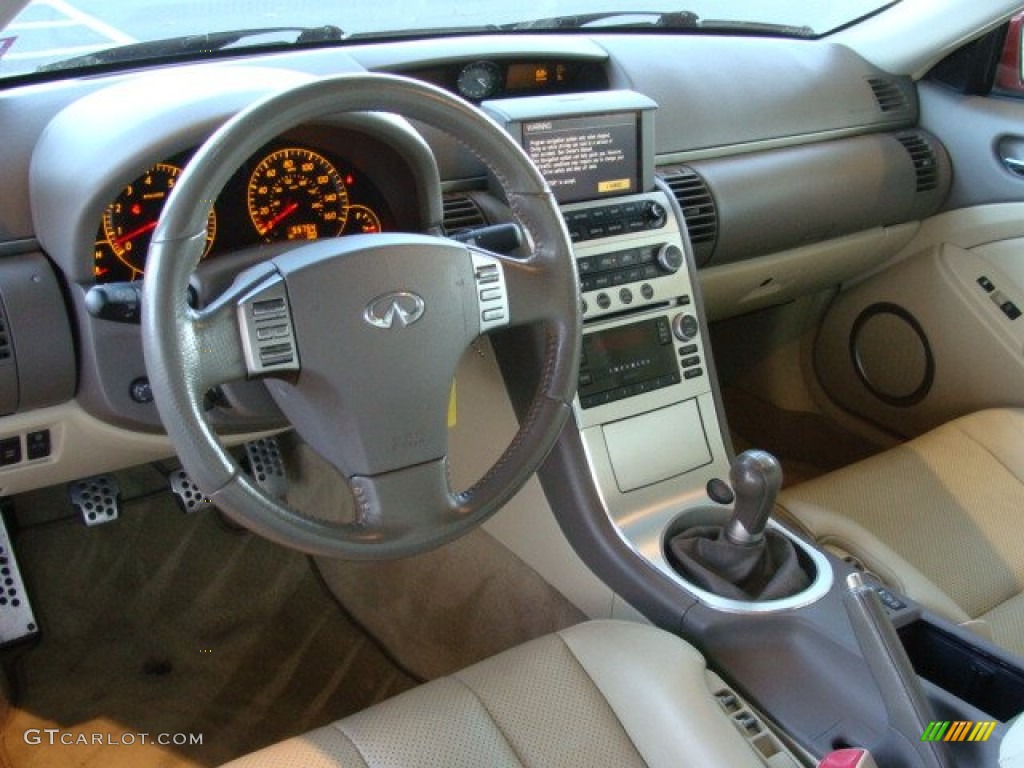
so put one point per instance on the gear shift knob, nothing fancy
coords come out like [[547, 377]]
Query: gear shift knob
[[756, 478]]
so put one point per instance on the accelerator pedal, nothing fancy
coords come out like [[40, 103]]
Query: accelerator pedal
[[266, 466], [96, 499], [17, 620]]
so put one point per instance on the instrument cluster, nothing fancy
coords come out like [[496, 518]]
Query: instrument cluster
[[286, 191]]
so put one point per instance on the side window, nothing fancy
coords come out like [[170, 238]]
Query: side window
[[1009, 79]]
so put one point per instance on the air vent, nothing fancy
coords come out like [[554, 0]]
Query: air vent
[[926, 164], [888, 94], [699, 210], [461, 213]]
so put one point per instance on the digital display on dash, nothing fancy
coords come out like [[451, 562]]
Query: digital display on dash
[[585, 158], [628, 354]]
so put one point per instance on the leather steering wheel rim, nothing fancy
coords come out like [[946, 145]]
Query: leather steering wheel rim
[[403, 502]]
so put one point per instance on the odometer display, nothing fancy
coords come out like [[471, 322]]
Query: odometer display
[[297, 194]]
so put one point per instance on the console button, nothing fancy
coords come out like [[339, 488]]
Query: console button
[[626, 296], [607, 261], [693, 373], [629, 258], [719, 491], [985, 283], [670, 258], [37, 444], [586, 265], [690, 362], [603, 300], [1010, 310], [10, 451], [688, 349], [646, 291], [140, 391]]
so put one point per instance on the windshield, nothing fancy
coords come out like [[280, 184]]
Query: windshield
[[65, 33]]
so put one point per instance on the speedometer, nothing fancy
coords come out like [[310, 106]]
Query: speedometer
[[297, 194]]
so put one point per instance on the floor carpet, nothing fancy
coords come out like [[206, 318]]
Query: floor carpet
[[162, 623]]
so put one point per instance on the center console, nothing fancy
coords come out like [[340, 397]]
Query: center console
[[648, 454]]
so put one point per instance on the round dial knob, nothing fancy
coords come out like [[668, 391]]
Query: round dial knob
[[655, 214], [685, 327], [670, 258]]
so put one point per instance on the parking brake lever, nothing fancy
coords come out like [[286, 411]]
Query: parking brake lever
[[906, 706]]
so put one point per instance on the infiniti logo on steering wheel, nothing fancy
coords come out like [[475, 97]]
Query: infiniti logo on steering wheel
[[399, 308]]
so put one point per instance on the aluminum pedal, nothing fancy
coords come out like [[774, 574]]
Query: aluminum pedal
[[17, 620], [266, 466], [187, 493], [97, 499]]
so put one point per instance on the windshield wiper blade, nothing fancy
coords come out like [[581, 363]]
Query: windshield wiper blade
[[635, 19], [186, 45], [669, 19]]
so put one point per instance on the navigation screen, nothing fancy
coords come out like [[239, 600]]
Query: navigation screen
[[584, 158]]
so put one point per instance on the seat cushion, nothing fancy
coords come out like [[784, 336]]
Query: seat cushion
[[941, 517], [599, 693]]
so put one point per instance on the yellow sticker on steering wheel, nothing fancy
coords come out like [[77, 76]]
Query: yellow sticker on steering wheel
[[451, 407]]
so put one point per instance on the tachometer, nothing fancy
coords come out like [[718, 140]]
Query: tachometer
[[297, 194], [128, 223]]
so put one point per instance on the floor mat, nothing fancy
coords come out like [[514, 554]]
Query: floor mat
[[178, 627]]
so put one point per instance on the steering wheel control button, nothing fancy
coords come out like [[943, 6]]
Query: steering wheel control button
[[140, 391], [491, 291], [268, 337], [685, 327]]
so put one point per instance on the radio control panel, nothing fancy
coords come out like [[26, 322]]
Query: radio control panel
[[629, 253], [642, 345]]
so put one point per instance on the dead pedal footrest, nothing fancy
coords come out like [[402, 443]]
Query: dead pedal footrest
[[96, 499], [17, 620]]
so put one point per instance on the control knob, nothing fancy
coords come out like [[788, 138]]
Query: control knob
[[670, 258], [685, 327], [654, 214]]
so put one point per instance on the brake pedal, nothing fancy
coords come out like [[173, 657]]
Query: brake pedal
[[17, 620], [187, 493], [97, 499], [266, 466]]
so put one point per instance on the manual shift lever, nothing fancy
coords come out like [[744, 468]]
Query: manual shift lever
[[756, 478], [742, 560]]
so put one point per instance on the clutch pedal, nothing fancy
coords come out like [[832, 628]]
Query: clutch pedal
[[97, 499], [17, 620]]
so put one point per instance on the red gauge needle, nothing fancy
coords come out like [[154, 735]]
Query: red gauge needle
[[135, 233], [284, 214]]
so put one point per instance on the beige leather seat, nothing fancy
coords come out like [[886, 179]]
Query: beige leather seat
[[940, 518], [601, 693]]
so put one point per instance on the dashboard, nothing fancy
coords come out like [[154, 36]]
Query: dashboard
[[82, 192]]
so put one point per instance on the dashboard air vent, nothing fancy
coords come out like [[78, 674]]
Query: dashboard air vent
[[926, 164], [888, 94], [461, 213], [699, 209]]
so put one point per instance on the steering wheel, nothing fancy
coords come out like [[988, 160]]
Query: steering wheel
[[358, 337]]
